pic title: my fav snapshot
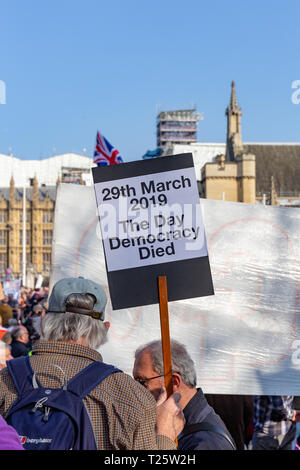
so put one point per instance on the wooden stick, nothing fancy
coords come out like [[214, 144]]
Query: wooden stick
[[165, 333]]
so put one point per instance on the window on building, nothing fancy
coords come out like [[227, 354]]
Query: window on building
[[27, 217], [47, 237], [2, 237], [46, 261], [2, 217], [21, 237], [2, 262], [47, 217]]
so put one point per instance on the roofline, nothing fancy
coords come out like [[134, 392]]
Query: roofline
[[45, 158], [271, 143]]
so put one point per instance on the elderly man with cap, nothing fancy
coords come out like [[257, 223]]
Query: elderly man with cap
[[123, 414]]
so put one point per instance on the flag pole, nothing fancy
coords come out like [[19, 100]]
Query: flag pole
[[24, 238]]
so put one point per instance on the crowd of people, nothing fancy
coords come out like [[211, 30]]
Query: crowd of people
[[20, 317], [57, 339]]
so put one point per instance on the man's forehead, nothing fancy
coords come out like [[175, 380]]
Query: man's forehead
[[143, 361]]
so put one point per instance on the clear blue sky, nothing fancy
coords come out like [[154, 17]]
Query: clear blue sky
[[72, 67]]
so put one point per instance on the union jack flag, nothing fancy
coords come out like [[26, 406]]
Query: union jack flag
[[105, 154]]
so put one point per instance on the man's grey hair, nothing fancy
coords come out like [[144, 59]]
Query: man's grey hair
[[73, 327], [70, 326], [182, 362], [17, 331]]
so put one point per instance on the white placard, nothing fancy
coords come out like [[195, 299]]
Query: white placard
[[151, 219]]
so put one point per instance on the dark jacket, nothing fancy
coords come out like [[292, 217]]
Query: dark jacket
[[198, 411], [19, 349]]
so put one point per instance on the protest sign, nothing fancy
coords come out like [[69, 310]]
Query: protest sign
[[152, 226], [245, 339], [39, 282], [12, 287]]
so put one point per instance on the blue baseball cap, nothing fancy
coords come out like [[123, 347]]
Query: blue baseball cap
[[77, 285]]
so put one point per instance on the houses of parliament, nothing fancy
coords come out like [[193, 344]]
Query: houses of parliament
[[255, 173]]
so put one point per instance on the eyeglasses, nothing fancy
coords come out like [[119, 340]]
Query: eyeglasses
[[145, 381]]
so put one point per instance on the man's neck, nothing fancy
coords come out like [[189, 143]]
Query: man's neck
[[186, 395]]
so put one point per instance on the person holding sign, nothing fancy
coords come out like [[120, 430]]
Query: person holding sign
[[122, 413], [204, 429]]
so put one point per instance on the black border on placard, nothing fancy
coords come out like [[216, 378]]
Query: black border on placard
[[102, 174], [186, 279], [138, 286]]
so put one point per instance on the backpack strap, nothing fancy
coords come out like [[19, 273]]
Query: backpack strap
[[22, 375], [81, 384], [204, 426], [88, 379]]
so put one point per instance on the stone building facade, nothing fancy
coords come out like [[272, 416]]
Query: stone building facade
[[40, 203], [232, 176]]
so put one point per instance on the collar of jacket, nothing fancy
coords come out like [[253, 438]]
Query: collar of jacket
[[66, 348]]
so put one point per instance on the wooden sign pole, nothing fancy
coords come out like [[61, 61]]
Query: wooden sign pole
[[165, 333]]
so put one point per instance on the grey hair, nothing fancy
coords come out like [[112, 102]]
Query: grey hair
[[181, 360], [18, 331], [73, 327]]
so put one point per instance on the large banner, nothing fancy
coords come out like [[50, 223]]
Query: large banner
[[245, 338]]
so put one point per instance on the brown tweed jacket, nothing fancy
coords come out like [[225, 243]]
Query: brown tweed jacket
[[122, 412]]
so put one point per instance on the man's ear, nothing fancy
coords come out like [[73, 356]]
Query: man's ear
[[176, 381]]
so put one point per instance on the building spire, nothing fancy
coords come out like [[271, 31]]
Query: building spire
[[234, 133], [233, 100], [12, 188], [35, 189]]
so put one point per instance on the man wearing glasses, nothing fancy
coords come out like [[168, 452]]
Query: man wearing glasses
[[148, 370], [20, 345]]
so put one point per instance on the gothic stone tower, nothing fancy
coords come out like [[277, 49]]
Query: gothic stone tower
[[232, 176], [234, 129]]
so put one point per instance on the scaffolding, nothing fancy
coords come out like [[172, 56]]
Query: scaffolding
[[177, 127]]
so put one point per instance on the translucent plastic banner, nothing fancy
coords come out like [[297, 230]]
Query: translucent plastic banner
[[244, 339]]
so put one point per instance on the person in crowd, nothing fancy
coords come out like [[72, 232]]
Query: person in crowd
[[124, 415], [35, 297], [20, 345], [7, 338], [274, 422], [9, 438], [12, 301], [237, 413], [6, 312], [5, 354], [33, 322], [22, 305], [12, 323], [2, 329], [148, 370]]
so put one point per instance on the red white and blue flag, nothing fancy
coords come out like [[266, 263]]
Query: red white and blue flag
[[105, 154]]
